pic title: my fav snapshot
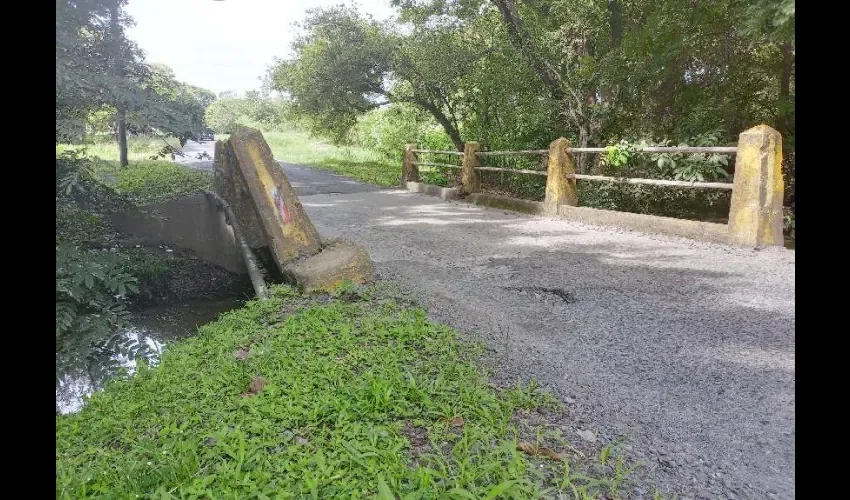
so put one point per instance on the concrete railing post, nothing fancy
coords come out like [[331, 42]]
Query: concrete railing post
[[409, 169], [470, 179], [755, 214], [560, 189]]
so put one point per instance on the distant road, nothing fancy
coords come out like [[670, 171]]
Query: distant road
[[305, 180]]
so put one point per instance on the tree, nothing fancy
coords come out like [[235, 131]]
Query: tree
[[254, 109], [347, 64], [170, 106], [99, 69], [89, 42], [224, 115]]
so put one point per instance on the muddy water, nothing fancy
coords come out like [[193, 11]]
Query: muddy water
[[151, 331]]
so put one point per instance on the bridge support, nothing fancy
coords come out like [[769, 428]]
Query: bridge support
[[470, 178], [247, 171], [409, 170], [560, 189], [755, 214]]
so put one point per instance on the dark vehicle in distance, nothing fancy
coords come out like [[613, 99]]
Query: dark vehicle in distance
[[206, 135]]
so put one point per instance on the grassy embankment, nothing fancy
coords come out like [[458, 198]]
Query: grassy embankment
[[349, 395]]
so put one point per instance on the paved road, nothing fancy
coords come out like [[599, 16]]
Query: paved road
[[305, 180], [685, 348], [197, 154]]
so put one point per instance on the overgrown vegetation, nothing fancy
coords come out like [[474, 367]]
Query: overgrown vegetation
[[254, 109], [353, 396], [97, 279], [514, 75], [359, 163], [150, 182]]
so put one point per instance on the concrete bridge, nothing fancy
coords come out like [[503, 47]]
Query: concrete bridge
[[687, 348]]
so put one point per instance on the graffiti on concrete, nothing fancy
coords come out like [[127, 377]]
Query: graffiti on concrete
[[281, 205]]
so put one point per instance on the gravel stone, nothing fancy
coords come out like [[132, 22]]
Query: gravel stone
[[670, 342]]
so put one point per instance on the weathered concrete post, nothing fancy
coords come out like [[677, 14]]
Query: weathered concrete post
[[560, 189], [287, 229], [470, 179], [229, 183], [409, 170], [755, 214], [247, 173]]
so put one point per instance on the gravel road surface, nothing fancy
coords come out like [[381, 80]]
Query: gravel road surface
[[684, 348]]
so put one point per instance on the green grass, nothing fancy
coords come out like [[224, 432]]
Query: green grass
[[358, 163], [363, 398], [143, 181], [146, 182], [139, 148]]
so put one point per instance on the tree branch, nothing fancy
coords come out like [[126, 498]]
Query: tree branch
[[521, 39]]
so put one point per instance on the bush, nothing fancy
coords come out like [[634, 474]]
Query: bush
[[388, 129]]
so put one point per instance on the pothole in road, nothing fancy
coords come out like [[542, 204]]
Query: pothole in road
[[564, 295]]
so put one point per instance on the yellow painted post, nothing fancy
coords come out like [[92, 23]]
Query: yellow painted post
[[470, 179], [560, 189], [409, 170], [289, 232], [755, 214]]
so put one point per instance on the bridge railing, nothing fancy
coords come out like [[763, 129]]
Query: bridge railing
[[755, 214]]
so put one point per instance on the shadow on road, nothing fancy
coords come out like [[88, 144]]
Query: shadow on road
[[686, 347]]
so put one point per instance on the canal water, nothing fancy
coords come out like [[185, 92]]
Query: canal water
[[149, 334]]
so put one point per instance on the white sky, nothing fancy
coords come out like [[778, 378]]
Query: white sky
[[224, 45]]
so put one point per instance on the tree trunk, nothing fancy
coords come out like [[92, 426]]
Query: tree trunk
[[583, 137], [118, 70], [122, 136], [615, 20], [443, 120], [784, 89]]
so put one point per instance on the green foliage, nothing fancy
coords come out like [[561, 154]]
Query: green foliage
[[618, 155], [342, 60], [358, 163], [171, 107], [90, 44], [139, 147], [434, 177], [677, 166], [683, 203], [361, 399], [252, 110], [92, 288], [81, 201], [99, 71], [789, 222], [388, 129]]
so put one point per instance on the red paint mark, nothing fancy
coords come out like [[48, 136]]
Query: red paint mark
[[281, 206]]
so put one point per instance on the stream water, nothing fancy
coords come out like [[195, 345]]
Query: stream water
[[151, 331]]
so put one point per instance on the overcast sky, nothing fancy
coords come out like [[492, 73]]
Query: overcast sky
[[224, 45]]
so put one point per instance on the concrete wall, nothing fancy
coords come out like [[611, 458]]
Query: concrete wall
[[193, 222], [431, 190]]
